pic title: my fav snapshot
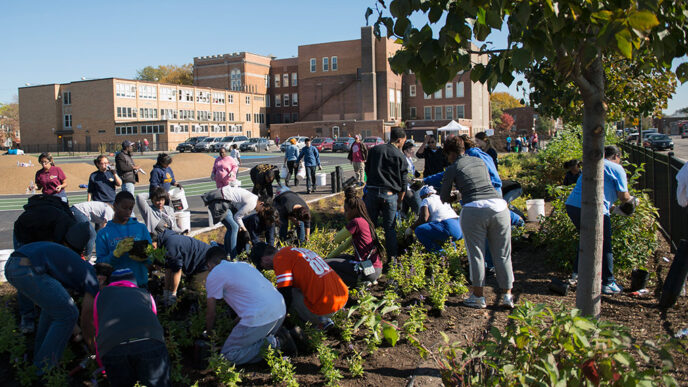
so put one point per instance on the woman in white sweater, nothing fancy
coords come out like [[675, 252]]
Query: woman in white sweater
[[158, 216], [243, 202]]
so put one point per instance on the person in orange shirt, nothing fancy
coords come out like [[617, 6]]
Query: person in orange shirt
[[307, 283]]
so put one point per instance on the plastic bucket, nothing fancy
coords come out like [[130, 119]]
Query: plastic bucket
[[536, 209], [321, 179], [235, 183], [178, 199], [4, 256], [183, 220]]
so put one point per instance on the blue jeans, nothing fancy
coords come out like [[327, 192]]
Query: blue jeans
[[310, 178], [300, 230], [145, 361], [607, 256], [27, 310], [59, 314], [81, 217], [129, 187], [231, 234], [434, 234], [385, 201], [411, 201]]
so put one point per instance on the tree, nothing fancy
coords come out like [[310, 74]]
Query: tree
[[572, 37], [180, 75], [682, 111], [9, 122], [506, 121], [499, 101]]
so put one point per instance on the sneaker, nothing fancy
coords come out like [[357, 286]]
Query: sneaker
[[326, 325], [27, 326], [475, 302], [508, 301], [286, 343], [612, 288], [573, 281]]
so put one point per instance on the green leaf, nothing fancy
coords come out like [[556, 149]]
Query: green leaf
[[603, 15], [435, 14], [682, 72], [643, 20], [400, 26], [583, 324], [623, 358], [623, 43], [520, 58], [390, 334]]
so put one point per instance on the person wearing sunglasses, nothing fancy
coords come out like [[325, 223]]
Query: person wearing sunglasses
[[435, 159]]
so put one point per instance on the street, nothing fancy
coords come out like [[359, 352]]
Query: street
[[680, 147]]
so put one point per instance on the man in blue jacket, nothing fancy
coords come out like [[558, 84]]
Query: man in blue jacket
[[291, 153], [311, 159]]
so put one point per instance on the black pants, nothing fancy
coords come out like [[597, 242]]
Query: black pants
[[292, 167], [345, 269]]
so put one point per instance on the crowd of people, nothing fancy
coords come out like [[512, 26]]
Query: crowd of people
[[117, 318], [522, 143]]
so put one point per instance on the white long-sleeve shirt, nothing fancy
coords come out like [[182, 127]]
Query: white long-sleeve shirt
[[682, 186], [243, 201]]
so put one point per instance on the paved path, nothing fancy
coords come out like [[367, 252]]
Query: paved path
[[11, 205]]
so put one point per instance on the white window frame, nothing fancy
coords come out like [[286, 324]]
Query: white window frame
[[248, 100], [449, 90], [285, 79], [294, 99], [439, 109], [248, 117], [412, 90], [427, 96], [426, 110], [285, 99], [313, 66], [218, 98], [325, 64], [438, 94], [460, 89], [278, 81], [67, 98], [449, 112], [231, 116], [334, 63], [230, 98], [278, 100], [67, 120], [463, 111], [294, 79]]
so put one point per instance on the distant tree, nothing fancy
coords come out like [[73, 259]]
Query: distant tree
[[499, 101], [9, 121], [682, 111], [506, 121], [180, 75]]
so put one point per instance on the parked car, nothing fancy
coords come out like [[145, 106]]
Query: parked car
[[300, 142], [205, 144], [323, 143], [684, 131], [228, 141], [342, 144], [255, 145], [188, 145], [658, 142], [370, 142], [633, 137]]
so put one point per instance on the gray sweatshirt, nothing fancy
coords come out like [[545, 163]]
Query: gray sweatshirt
[[154, 219], [471, 177]]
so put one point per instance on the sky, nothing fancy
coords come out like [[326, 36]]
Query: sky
[[63, 41]]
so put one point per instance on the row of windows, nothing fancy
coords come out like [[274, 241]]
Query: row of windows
[[285, 80], [278, 118], [173, 114], [152, 129], [326, 62], [449, 112], [128, 90], [449, 89], [184, 128], [283, 100]]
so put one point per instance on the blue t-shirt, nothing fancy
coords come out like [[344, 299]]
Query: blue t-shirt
[[163, 177], [107, 240], [63, 264], [615, 181], [101, 186]]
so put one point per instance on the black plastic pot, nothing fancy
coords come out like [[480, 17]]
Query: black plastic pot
[[558, 286], [639, 279]]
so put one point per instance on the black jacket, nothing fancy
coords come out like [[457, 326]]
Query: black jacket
[[125, 167], [364, 152], [45, 218], [435, 162], [386, 167]]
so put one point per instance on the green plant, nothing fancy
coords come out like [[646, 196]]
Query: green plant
[[281, 369], [416, 319], [346, 327], [408, 270], [55, 377], [555, 347], [371, 311], [13, 343], [355, 363], [225, 371], [156, 255], [327, 357], [439, 285]]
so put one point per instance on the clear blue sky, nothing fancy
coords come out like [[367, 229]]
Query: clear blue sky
[[54, 42]]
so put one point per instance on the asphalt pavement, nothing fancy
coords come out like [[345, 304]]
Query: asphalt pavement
[[11, 205]]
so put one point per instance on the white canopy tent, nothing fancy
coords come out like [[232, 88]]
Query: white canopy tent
[[454, 126]]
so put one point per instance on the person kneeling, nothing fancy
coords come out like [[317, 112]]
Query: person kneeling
[[258, 304], [130, 341], [306, 281], [359, 232], [437, 221]]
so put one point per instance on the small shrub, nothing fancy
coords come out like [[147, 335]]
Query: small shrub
[[355, 363], [224, 370], [281, 369], [327, 356]]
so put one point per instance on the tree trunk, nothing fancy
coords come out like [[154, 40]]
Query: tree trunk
[[592, 206]]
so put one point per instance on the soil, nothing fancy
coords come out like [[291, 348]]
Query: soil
[[401, 365], [15, 179]]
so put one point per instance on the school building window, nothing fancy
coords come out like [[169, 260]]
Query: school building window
[[294, 79], [312, 65], [219, 98], [167, 94], [277, 81], [278, 101], [460, 111], [186, 95], [168, 114], [148, 92], [68, 120], [125, 130], [438, 112], [126, 90], [459, 89], [427, 113], [286, 99], [412, 113], [335, 65], [438, 94], [126, 112], [285, 80], [248, 117], [248, 100], [326, 64], [449, 112], [67, 98], [295, 99], [231, 117], [412, 90], [230, 98], [449, 90], [152, 129], [148, 113]]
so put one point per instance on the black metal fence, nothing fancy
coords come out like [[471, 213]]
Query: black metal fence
[[660, 178], [101, 148]]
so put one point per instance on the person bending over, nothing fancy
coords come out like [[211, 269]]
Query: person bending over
[[262, 223], [262, 176], [130, 342], [183, 255], [258, 305], [292, 208], [359, 232], [437, 221], [308, 284]]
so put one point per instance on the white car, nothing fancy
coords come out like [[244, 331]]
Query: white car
[[227, 142], [300, 142]]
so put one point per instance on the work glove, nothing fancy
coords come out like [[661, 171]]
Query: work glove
[[123, 247], [626, 208]]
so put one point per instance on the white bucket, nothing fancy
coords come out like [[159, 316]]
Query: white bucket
[[178, 199], [183, 220], [235, 183], [536, 209], [321, 179], [4, 256]]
